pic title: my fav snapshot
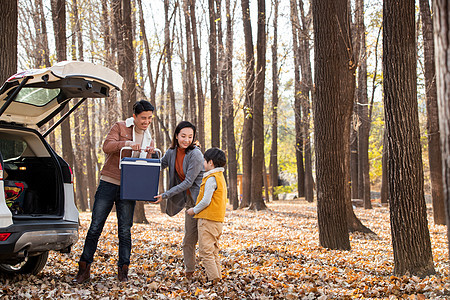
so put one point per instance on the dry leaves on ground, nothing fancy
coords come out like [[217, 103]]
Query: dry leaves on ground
[[272, 254]]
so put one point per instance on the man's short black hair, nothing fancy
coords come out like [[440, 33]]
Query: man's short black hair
[[217, 156], [142, 105]]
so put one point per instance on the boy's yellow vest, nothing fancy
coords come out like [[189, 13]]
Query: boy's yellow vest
[[216, 209]]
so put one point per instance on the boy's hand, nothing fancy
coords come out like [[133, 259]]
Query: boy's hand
[[190, 211]]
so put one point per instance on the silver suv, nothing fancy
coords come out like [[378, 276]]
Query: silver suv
[[37, 207]]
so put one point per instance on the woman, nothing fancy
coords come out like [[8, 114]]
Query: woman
[[185, 162]]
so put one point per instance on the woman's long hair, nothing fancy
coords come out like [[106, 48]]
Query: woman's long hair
[[181, 125]]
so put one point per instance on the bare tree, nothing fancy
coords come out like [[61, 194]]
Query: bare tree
[[363, 109], [215, 112], [441, 26], [306, 96], [8, 39], [297, 100], [258, 107], [59, 26], [247, 143], [333, 104], [273, 165], [168, 50], [409, 225], [434, 145], [198, 74], [229, 111]]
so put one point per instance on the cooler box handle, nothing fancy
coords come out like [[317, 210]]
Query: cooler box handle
[[129, 148]]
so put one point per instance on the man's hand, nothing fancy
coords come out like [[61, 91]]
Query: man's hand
[[150, 149], [190, 211], [134, 146]]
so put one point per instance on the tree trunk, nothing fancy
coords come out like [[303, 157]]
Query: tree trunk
[[168, 59], [215, 112], [43, 40], [258, 117], [8, 39], [295, 24], [273, 165], [221, 67], [79, 162], [434, 144], [441, 26], [198, 74], [333, 104], [190, 65], [307, 95], [384, 176], [59, 25], [129, 91], [354, 169], [363, 110], [409, 225], [111, 109], [247, 140], [229, 111]]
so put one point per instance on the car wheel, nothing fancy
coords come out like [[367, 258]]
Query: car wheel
[[31, 265]]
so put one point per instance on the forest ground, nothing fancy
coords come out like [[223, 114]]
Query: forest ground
[[272, 254]]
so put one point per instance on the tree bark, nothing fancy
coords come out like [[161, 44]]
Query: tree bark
[[8, 39], [247, 140], [59, 25], [215, 112], [129, 91], [198, 74], [229, 111], [334, 81], [273, 164], [409, 225], [354, 168], [297, 101], [363, 110], [79, 164], [306, 97], [441, 36], [434, 144], [258, 111], [168, 59]]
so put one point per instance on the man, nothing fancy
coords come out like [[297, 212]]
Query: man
[[134, 133]]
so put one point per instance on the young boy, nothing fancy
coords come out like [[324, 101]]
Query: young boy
[[210, 212]]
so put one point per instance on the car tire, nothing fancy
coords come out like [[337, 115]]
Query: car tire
[[31, 265]]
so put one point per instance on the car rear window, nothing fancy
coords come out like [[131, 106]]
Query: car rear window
[[36, 96], [12, 148]]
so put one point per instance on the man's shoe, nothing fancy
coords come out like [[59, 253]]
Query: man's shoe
[[84, 272], [122, 273]]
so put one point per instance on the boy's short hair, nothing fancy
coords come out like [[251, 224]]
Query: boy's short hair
[[217, 156]]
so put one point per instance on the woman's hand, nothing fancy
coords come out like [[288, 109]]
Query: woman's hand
[[190, 211], [158, 199]]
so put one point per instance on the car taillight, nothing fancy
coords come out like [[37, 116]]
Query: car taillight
[[71, 175], [4, 236], [1, 172]]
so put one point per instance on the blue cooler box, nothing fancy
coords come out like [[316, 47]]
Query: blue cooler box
[[139, 178]]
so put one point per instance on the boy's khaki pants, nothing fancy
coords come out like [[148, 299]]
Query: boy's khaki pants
[[209, 233]]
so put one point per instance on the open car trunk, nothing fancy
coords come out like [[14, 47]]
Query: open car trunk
[[32, 177]]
